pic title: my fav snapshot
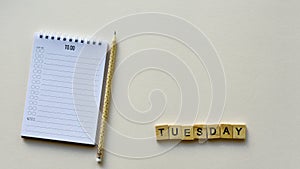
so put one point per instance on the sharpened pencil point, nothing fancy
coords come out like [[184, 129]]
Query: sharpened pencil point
[[98, 159]]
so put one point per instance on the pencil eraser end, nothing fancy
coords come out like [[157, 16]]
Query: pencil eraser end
[[98, 159]]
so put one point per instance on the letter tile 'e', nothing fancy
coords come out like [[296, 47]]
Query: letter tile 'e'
[[187, 133], [239, 131], [162, 132], [175, 132], [213, 131], [226, 131], [200, 131]]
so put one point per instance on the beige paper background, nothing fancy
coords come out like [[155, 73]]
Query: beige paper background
[[258, 44]]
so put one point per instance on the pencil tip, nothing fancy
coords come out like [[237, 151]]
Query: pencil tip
[[115, 32], [98, 159]]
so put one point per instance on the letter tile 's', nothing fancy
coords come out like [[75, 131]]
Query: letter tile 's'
[[239, 131], [162, 132], [175, 132], [200, 131], [213, 131]]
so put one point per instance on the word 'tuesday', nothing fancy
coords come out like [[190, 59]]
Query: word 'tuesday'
[[200, 131]]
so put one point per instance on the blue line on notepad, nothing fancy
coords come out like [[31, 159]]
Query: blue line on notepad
[[68, 114], [54, 134]]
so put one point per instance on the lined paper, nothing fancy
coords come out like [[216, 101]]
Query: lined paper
[[64, 89]]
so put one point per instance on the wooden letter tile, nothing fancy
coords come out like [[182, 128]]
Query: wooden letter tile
[[239, 131], [213, 131], [187, 133], [175, 132], [226, 131], [162, 132], [200, 131]]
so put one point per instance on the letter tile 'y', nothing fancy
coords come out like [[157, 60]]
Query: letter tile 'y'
[[239, 131]]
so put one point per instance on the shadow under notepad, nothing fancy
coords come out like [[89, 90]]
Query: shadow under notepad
[[53, 144]]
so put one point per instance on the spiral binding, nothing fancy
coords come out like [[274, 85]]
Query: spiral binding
[[61, 37]]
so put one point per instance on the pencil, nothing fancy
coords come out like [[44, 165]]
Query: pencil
[[107, 96]]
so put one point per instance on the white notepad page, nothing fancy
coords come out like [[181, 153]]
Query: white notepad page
[[64, 89]]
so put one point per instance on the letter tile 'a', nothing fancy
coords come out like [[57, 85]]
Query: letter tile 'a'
[[226, 131]]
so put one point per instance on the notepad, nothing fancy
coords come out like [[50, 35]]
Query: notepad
[[64, 89]]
